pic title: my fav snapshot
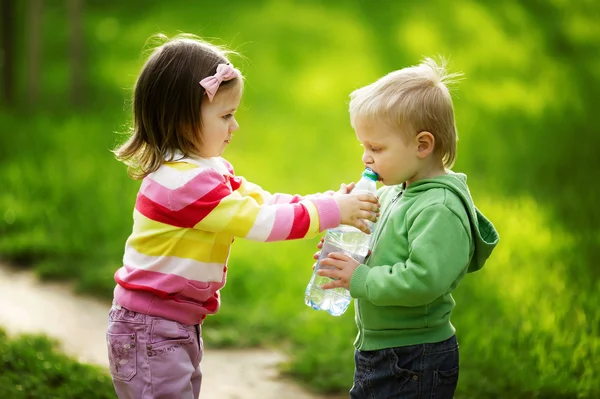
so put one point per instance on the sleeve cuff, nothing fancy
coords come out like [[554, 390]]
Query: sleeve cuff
[[358, 282], [328, 210]]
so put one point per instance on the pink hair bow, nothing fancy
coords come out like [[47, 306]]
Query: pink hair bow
[[224, 73]]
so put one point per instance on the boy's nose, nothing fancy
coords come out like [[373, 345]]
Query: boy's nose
[[366, 159]]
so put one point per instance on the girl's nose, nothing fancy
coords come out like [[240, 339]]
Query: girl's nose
[[366, 158], [234, 126]]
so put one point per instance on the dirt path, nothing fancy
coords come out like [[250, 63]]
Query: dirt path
[[79, 325]]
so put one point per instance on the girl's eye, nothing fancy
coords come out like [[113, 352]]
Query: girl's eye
[[375, 149], [228, 116]]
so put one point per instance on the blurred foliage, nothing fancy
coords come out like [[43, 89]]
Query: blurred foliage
[[32, 368], [528, 323]]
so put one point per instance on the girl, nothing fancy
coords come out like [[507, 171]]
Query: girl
[[189, 207]]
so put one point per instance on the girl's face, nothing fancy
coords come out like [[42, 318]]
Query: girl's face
[[218, 121]]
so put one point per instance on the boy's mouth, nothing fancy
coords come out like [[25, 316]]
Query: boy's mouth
[[379, 178]]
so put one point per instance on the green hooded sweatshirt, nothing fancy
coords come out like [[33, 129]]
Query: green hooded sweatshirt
[[427, 238]]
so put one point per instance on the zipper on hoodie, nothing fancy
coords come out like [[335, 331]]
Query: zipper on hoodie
[[377, 233], [383, 218]]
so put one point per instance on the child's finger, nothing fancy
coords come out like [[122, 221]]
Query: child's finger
[[331, 273], [316, 255], [370, 207], [368, 216], [332, 284], [359, 224], [320, 244], [368, 198], [338, 256]]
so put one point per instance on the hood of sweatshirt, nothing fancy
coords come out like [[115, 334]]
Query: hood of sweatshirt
[[485, 236]]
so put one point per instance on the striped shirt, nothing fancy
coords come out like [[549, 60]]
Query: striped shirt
[[185, 218]]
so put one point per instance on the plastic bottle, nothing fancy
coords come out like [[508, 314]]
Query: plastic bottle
[[346, 239]]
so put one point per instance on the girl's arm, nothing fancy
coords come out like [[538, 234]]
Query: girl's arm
[[246, 188], [204, 200]]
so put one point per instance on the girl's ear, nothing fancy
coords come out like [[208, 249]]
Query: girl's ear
[[425, 144]]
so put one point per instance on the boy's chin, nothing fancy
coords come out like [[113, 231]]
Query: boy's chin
[[388, 182]]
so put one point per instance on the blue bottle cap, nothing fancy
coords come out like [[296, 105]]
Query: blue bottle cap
[[368, 173]]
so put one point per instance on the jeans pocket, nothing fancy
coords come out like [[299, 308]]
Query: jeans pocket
[[445, 382], [122, 355], [404, 360], [447, 376], [166, 336]]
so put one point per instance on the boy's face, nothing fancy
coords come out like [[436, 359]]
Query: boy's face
[[387, 151]]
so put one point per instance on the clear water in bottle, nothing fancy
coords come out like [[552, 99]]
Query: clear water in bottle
[[351, 242], [348, 240]]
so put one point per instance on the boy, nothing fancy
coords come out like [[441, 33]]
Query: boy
[[429, 236]]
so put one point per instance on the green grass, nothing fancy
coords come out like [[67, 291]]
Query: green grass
[[32, 368], [527, 324]]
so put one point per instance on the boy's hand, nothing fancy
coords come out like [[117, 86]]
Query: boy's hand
[[318, 253], [354, 207], [344, 267]]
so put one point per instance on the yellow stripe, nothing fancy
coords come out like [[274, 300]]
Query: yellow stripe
[[217, 219], [158, 239], [242, 214], [221, 247], [234, 215], [248, 189], [181, 166], [313, 229]]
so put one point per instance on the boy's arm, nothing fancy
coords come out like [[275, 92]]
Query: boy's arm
[[439, 252], [207, 202]]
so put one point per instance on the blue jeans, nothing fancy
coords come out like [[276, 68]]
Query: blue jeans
[[426, 371]]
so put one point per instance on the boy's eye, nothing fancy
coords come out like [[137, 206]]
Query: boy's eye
[[228, 116], [375, 149]]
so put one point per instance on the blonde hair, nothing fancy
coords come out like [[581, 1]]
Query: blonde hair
[[413, 99], [166, 102]]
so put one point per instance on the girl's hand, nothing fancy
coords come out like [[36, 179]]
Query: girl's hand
[[355, 207], [346, 188], [343, 265]]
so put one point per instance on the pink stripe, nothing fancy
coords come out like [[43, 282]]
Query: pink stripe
[[228, 166], [284, 220], [188, 313], [285, 199], [190, 192], [169, 284], [329, 212]]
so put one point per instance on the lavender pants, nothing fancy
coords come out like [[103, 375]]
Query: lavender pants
[[151, 357]]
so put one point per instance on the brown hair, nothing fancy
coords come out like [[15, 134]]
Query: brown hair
[[166, 102], [413, 99]]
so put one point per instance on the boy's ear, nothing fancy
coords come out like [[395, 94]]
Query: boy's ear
[[425, 144]]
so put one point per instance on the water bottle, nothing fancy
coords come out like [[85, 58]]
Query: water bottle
[[352, 242]]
